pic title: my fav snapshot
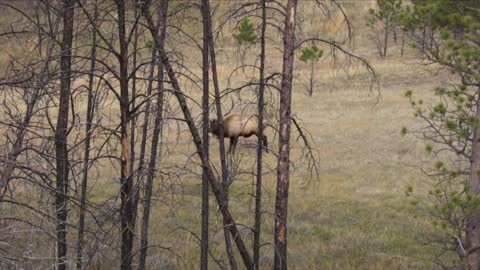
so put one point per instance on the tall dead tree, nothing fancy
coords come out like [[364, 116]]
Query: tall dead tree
[[127, 215], [133, 121], [258, 193], [218, 105], [216, 189], [157, 130], [206, 120], [61, 151], [283, 165], [88, 139]]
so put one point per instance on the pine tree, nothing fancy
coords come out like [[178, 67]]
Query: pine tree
[[447, 33], [311, 55]]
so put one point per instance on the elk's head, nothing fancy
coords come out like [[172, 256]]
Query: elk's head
[[214, 127]]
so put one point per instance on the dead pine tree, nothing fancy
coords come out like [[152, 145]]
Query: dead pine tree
[[261, 101], [216, 188], [127, 215], [157, 130], [205, 135], [61, 151], [283, 165], [88, 139], [218, 106]]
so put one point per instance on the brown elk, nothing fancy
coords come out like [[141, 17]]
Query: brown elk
[[236, 125]]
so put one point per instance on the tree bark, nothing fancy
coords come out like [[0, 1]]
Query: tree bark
[[132, 118], [141, 164], [312, 65], [61, 151], [206, 120], [88, 137], [258, 191], [217, 191], [126, 190], [473, 220], [402, 50], [283, 166], [157, 130], [385, 39], [218, 106]]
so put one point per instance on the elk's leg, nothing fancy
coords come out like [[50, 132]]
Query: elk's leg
[[232, 139], [265, 143], [233, 144]]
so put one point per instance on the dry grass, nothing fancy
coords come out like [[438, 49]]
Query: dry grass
[[355, 216]]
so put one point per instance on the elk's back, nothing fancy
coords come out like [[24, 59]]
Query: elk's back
[[240, 125]]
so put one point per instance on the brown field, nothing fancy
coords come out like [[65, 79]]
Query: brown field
[[355, 215]]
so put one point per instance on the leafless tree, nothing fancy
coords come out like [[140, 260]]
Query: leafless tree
[[206, 121], [216, 189], [157, 131], [261, 100]]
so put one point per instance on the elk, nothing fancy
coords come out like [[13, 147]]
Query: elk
[[236, 125]]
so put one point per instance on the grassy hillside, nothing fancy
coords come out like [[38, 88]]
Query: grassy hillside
[[356, 214]]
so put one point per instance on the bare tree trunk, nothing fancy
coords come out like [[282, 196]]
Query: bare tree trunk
[[402, 51], [88, 136], [205, 108], [155, 139], [217, 191], [126, 190], [283, 166], [258, 192], [61, 151], [424, 35], [473, 220], [149, 183], [143, 142], [312, 65], [133, 120], [136, 185], [394, 29], [385, 39], [218, 105]]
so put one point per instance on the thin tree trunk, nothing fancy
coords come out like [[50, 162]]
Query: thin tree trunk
[[155, 139], [88, 136], [424, 35], [473, 220], [402, 51], [283, 166], [136, 185], [133, 121], [143, 142], [141, 164], [258, 192], [126, 190], [205, 108], [312, 65], [218, 106], [394, 29], [61, 151], [385, 39], [217, 191]]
